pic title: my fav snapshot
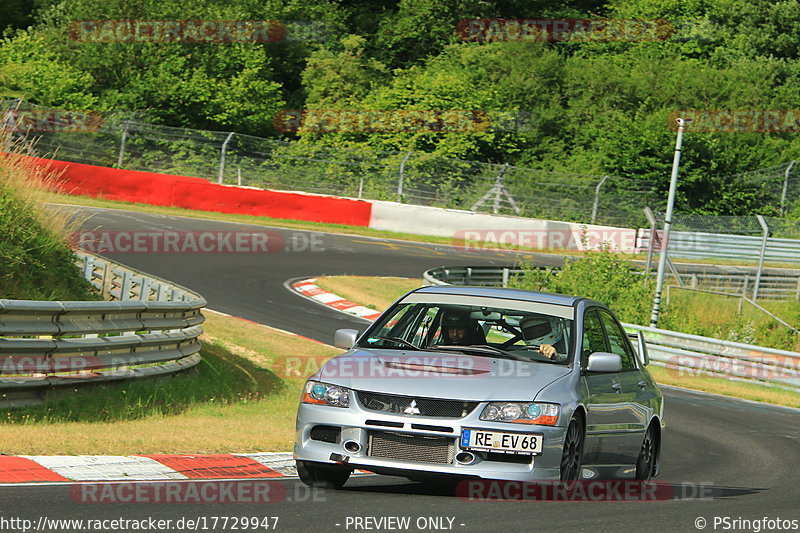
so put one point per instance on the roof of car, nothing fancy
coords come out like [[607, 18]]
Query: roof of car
[[502, 292]]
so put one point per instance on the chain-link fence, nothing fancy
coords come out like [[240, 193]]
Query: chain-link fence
[[408, 177]]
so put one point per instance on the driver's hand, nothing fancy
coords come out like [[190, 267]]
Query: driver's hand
[[548, 350]]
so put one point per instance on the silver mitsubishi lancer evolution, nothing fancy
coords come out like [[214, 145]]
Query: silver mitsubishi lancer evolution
[[459, 382]]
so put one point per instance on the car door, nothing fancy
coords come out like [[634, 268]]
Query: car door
[[608, 410], [635, 392]]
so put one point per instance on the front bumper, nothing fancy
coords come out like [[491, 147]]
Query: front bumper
[[358, 425]]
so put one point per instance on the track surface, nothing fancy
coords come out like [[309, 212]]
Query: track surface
[[741, 456]]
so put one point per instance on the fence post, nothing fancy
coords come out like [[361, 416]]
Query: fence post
[[651, 241], [222, 157], [402, 178], [239, 176], [765, 228], [597, 198], [744, 291], [785, 185], [122, 143]]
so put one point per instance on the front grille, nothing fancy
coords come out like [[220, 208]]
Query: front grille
[[418, 448], [388, 403], [326, 434]]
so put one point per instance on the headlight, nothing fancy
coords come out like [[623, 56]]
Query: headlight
[[324, 394], [523, 413]]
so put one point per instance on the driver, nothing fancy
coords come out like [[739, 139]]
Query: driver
[[458, 328], [546, 332]]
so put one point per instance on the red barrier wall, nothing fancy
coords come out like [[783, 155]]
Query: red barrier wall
[[202, 195]]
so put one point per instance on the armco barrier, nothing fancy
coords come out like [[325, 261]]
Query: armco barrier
[[688, 355], [200, 194], [775, 283], [149, 328]]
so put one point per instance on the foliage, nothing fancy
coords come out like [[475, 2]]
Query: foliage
[[601, 275], [598, 108]]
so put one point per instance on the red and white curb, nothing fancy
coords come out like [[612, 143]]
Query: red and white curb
[[42, 468], [309, 289]]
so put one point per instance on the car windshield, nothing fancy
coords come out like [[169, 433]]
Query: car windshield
[[507, 332]]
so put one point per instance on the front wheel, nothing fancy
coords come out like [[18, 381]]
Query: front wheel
[[646, 462], [322, 475], [572, 456]]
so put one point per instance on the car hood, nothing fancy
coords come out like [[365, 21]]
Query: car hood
[[440, 375]]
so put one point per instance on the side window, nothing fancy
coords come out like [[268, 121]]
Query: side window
[[593, 338], [618, 342]]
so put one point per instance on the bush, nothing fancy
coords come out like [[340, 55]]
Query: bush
[[601, 275]]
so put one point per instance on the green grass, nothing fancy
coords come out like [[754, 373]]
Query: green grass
[[378, 296], [718, 316], [37, 262], [241, 398]]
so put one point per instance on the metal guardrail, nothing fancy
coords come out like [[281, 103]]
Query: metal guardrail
[[149, 327], [689, 355], [700, 245], [732, 280], [693, 355]]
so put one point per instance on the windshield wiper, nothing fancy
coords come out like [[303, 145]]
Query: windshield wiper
[[480, 349], [399, 341]]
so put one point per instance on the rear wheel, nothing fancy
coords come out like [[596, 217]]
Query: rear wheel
[[646, 463], [572, 456], [322, 475]]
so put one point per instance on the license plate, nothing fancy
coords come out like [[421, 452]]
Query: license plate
[[500, 441]]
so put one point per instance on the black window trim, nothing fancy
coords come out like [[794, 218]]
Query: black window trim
[[625, 338]]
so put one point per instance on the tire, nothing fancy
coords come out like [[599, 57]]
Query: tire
[[572, 455], [322, 475], [648, 455]]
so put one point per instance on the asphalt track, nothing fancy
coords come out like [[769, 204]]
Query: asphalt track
[[722, 457]]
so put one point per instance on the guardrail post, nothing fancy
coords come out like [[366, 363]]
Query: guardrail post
[[88, 268], [505, 277], [468, 276], [106, 282], [144, 289], [764, 238], [125, 287]]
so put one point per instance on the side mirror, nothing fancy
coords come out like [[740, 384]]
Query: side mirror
[[345, 338], [641, 347], [604, 362]]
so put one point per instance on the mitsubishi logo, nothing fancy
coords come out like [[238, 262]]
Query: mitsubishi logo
[[412, 409]]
